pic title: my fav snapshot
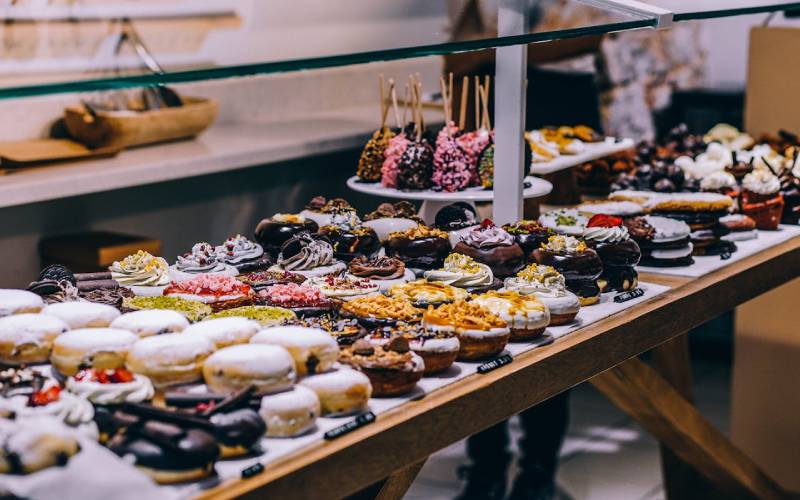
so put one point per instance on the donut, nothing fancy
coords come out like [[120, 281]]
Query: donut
[[170, 359], [19, 301], [313, 350], [34, 444], [341, 392], [151, 322], [526, 316], [290, 413], [269, 368], [28, 338], [225, 332], [83, 314], [103, 348]]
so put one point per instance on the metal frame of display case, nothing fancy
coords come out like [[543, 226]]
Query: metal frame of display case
[[393, 449]]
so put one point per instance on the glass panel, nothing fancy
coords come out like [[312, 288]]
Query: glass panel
[[685, 10], [52, 46]]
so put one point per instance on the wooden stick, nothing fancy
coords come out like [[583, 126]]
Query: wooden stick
[[462, 112], [386, 107], [444, 99], [405, 107], [486, 121], [419, 110], [381, 85], [450, 95], [394, 105], [477, 102]]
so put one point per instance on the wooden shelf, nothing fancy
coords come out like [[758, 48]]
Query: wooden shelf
[[223, 147], [415, 430]]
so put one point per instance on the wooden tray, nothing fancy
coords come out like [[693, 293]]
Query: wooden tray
[[121, 129], [36, 152]]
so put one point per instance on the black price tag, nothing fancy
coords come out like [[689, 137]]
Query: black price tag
[[629, 295], [725, 255], [253, 470], [495, 363], [359, 421]]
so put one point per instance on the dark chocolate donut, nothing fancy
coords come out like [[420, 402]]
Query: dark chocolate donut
[[421, 253], [349, 244], [271, 234], [503, 260], [579, 269], [618, 254], [167, 447]]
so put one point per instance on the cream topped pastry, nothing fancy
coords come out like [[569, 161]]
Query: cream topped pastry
[[422, 293], [568, 221], [493, 246], [438, 349], [343, 287], [580, 265], [719, 181], [141, 270], [462, 271], [303, 254], [605, 234], [201, 260], [761, 182], [549, 286], [525, 315], [565, 244], [111, 387], [49, 400], [238, 250]]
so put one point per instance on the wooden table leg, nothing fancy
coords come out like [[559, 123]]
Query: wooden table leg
[[661, 410], [681, 481], [398, 483]]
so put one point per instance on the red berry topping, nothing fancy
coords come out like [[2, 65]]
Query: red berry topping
[[121, 376], [43, 398], [201, 407], [487, 223], [602, 220]]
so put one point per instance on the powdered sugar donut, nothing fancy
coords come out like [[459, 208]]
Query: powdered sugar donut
[[83, 314], [269, 368], [28, 338], [19, 301], [341, 392], [151, 322], [35, 443], [104, 348], [313, 350], [225, 332], [290, 413], [170, 359]]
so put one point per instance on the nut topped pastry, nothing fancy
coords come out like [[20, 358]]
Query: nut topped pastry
[[193, 310], [549, 286], [529, 234], [482, 333], [463, 272], [568, 221], [383, 271], [438, 348], [379, 309], [422, 293], [580, 265], [344, 330], [343, 287], [422, 247], [393, 368], [493, 246], [525, 315]]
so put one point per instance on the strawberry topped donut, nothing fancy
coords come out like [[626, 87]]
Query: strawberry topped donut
[[619, 253]]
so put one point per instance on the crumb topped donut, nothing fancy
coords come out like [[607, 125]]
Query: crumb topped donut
[[269, 368], [104, 348], [83, 314], [170, 359]]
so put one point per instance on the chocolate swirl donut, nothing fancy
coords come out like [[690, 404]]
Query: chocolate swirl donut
[[302, 252]]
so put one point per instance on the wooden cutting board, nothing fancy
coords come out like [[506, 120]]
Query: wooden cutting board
[[37, 152]]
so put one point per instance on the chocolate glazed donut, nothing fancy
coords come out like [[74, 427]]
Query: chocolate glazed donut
[[530, 243], [580, 270], [272, 234], [503, 260], [619, 254], [347, 245], [422, 253]]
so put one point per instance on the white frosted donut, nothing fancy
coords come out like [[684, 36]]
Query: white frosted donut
[[83, 314], [528, 313], [19, 301], [269, 368], [170, 359], [225, 332], [151, 322], [28, 338], [103, 348], [35, 443], [313, 350], [290, 413], [341, 392]]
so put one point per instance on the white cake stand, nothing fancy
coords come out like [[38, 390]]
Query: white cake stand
[[432, 201]]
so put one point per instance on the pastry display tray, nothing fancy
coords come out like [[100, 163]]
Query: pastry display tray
[[276, 448], [592, 151], [707, 264]]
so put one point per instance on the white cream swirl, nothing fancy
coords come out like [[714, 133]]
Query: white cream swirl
[[238, 249], [71, 409], [202, 259], [761, 182], [606, 234], [313, 253], [136, 391], [461, 271], [718, 180], [140, 269]]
